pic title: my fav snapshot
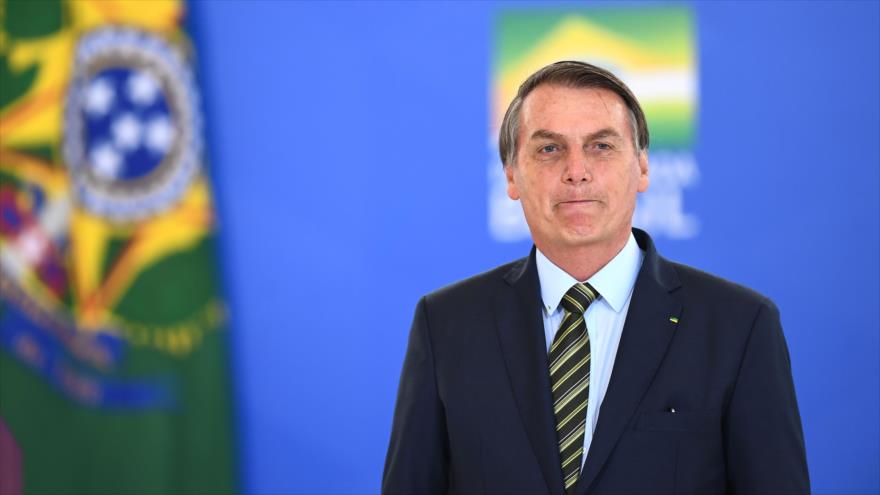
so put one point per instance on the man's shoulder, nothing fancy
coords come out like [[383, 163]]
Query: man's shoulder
[[709, 287], [477, 289], [697, 286]]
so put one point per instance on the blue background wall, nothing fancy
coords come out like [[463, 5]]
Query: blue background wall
[[348, 145]]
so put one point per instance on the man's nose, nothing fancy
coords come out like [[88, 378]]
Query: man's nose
[[577, 169]]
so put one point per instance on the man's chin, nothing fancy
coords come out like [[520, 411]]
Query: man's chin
[[580, 238]]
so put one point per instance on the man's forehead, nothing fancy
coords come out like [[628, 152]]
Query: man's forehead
[[555, 100], [565, 105]]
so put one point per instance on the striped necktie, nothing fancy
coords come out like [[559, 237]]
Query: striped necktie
[[570, 380]]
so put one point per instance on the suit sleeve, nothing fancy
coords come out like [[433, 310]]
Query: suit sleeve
[[418, 454], [764, 443]]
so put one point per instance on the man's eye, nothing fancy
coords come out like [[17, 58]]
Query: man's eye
[[604, 146], [550, 148]]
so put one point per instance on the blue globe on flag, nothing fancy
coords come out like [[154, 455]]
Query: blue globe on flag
[[132, 125], [128, 125]]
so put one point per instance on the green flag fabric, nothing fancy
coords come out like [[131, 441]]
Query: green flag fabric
[[113, 330]]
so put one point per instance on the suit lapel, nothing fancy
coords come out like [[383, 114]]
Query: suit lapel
[[643, 343], [520, 332]]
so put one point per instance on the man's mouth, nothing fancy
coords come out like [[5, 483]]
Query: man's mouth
[[577, 202]]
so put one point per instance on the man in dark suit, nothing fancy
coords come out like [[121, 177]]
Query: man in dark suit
[[593, 365]]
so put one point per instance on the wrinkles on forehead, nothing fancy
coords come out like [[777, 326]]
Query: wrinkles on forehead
[[607, 132], [549, 97]]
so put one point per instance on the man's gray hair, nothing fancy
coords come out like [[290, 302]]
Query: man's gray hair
[[575, 75]]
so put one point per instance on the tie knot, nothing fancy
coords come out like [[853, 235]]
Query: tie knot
[[578, 298]]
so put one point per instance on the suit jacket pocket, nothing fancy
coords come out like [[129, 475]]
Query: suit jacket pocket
[[688, 421]]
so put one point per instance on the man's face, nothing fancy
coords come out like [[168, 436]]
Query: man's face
[[577, 170]]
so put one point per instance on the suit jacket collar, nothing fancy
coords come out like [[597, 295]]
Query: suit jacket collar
[[650, 324], [520, 330], [646, 336]]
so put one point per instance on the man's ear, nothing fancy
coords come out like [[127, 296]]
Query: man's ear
[[512, 190], [644, 179]]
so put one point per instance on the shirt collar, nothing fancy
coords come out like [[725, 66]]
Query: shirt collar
[[614, 281]]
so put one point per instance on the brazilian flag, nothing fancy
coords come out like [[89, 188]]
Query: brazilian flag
[[113, 332]]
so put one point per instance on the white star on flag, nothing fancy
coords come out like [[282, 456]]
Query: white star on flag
[[106, 162], [160, 134], [127, 132], [142, 88], [99, 97]]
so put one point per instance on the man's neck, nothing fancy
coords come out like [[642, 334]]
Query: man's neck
[[582, 262]]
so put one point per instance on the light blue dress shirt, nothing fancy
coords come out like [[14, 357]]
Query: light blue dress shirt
[[605, 317]]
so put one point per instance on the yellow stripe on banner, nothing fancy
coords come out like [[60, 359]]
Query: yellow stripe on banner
[[35, 118], [567, 41], [89, 236], [163, 16], [32, 119], [31, 169]]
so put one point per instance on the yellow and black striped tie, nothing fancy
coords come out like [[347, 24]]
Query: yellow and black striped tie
[[570, 380]]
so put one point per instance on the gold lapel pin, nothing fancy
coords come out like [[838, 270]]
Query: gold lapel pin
[[673, 319]]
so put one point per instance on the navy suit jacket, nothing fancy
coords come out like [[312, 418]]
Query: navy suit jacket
[[474, 411]]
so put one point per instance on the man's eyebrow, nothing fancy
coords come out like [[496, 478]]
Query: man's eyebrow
[[545, 134], [602, 133]]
